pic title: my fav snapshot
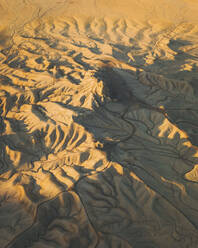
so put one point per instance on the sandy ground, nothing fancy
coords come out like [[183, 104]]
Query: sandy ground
[[99, 124]]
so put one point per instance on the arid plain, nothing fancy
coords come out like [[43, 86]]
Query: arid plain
[[99, 124]]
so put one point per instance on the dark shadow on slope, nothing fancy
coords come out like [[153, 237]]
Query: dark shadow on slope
[[20, 141], [115, 149], [115, 85]]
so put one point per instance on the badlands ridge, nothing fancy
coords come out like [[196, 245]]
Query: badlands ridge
[[98, 124]]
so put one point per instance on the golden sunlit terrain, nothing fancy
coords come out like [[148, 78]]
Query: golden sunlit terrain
[[99, 124]]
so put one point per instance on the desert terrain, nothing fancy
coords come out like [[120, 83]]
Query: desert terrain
[[99, 124]]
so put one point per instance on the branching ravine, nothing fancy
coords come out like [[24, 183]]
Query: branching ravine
[[140, 175], [72, 188]]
